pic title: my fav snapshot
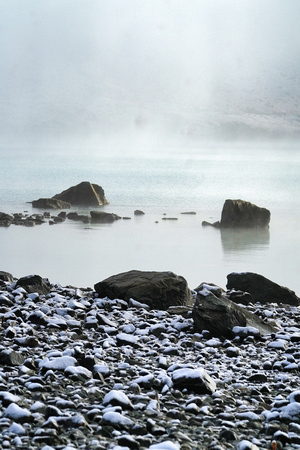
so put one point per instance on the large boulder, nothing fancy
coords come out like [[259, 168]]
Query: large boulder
[[103, 217], [261, 289], [50, 203], [83, 194], [159, 290], [219, 315], [239, 213], [34, 284], [5, 219]]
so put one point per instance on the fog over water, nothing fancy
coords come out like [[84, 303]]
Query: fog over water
[[131, 73], [169, 105]]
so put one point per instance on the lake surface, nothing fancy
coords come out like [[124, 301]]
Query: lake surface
[[163, 183]]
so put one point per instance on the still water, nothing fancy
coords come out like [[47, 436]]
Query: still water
[[163, 184]]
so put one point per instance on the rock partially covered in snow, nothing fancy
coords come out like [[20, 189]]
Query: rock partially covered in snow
[[195, 380], [159, 290]]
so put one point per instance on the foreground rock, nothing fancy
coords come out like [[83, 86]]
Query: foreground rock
[[34, 283], [242, 214], [261, 289], [78, 371], [158, 290], [215, 312], [83, 194]]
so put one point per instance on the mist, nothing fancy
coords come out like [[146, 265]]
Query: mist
[[114, 70]]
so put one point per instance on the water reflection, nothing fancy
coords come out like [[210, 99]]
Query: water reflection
[[240, 239]]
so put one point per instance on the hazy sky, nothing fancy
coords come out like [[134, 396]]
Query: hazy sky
[[86, 68]]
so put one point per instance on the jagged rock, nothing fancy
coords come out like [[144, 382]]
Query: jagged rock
[[50, 203], [261, 289], [34, 283], [103, 217], [219, 316], [83, 194], [239, 213], [159, 290]]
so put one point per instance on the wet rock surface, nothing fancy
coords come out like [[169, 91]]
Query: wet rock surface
[[82, 371]]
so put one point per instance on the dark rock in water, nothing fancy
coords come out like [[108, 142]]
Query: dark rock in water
[[208, 224], [159, 290], [261, 289], [83, 194], [50, 203], [34, 283], [239, 213], [79, 217], [6, 276], [219, 316], [138, 212], [103, 217], [5, 219]]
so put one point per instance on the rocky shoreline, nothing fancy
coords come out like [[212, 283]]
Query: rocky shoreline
[[78, 371]]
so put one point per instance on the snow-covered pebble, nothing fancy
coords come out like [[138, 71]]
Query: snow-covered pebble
[[78, 371]]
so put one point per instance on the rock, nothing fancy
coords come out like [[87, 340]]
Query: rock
[[138, 212], [159, 290], [83, 194], [103, 217], [78, 217], [5, 219], [239, 213], [6, 276], [50, 203], [261, 289], [219, 316], [34, 283], [11, 358], [195, 380]]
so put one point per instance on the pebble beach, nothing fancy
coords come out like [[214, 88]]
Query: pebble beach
[[82, 372]]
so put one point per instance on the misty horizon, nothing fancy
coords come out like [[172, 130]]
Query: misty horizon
[[207, 70]]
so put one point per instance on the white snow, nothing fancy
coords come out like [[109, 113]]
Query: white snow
[[15, 412], [60, 363], [7, 396], [16, 428], [119, 396], [78, 370], [166, 445], [115, 417], [278, 344]]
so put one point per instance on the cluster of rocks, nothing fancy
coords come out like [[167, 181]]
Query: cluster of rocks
[[81, 369]]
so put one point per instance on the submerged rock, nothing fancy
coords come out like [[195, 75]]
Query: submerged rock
[[159, 290], [83, 194], [261, 289], [103, 217], [50, 203]]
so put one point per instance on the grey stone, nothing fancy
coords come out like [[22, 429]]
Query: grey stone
[[103, 217], [159, 290], [240, 213], [261, 289], [34, 283]]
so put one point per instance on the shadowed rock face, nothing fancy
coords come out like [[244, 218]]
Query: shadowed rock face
[[159, 290], [219, 316], [83, 194], [34, 283], [261, 289], [239, 213]]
